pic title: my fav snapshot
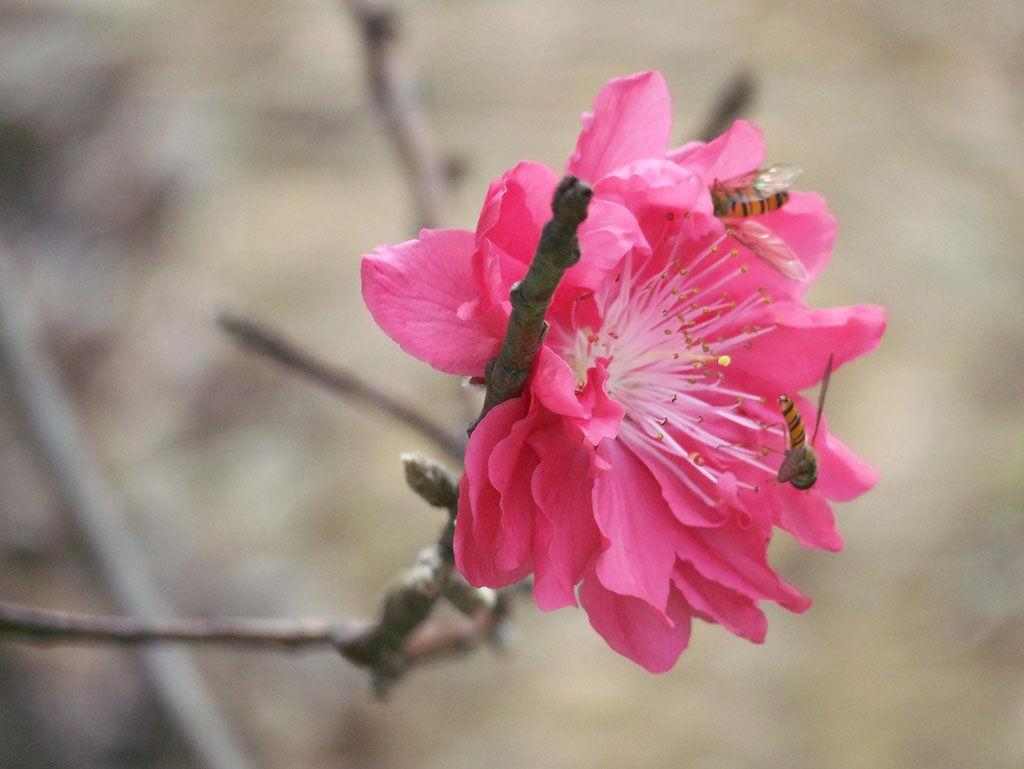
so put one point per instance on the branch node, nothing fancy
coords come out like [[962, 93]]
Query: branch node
[[430, 480], [468, 599]]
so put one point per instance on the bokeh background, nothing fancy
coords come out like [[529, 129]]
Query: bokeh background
[[158, 160]]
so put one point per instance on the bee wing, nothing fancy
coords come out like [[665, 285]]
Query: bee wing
[[770, 249], [736, 182], [789, 467], [776, 178], [821, 397]]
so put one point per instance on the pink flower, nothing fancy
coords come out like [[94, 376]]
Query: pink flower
[[632, 464]]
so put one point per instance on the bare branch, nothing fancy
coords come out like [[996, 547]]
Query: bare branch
[[733, 102], [557, 251], [392, 86], [39, 625], [103, 521], [428, 643], [256, 337], [388, 648]]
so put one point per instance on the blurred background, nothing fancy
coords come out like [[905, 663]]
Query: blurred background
[[158, 160]]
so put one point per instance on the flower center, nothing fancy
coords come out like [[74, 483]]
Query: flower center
[[671, 327]]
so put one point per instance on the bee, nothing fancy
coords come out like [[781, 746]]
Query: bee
[[751, 194], [800, 464]]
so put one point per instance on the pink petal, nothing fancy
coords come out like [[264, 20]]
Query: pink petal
[[516, 208], [553, 383], [566, 538], [736, 557], [414, 291], [479, 524], [738, 151], [628, 184], [656, 190], [671, 476], [494, 273], [632, 119], [509, 467], [607, 234], [793, 356], [603, 415], [636, 630], [641, 535], [804, 514], [732, 610], [842, 475]]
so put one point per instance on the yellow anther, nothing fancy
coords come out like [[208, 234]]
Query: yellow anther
[[724, 360]]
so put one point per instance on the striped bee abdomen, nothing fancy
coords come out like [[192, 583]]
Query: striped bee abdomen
[[751, 202], [797, 436]]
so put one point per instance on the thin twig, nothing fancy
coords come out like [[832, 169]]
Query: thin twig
[[103, 521], [388, 648], [733, 101], [39, 625], [305, 634], [392, 86], [256, 337], [383, 648], [557, 251]]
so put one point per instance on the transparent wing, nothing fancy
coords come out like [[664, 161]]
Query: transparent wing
[[821, 396], [776, 178], [789, 467], [770, 249], [741, 182], [766, 181]]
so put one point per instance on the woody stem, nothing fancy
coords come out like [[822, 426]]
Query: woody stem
[[557, 251]]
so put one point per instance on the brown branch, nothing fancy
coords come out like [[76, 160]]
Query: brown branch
[[258, 338], [732, 102], [99, 514], [383, 648], [392, 86], [557, 251], [388, 648], [45, 626], [54, 626]]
